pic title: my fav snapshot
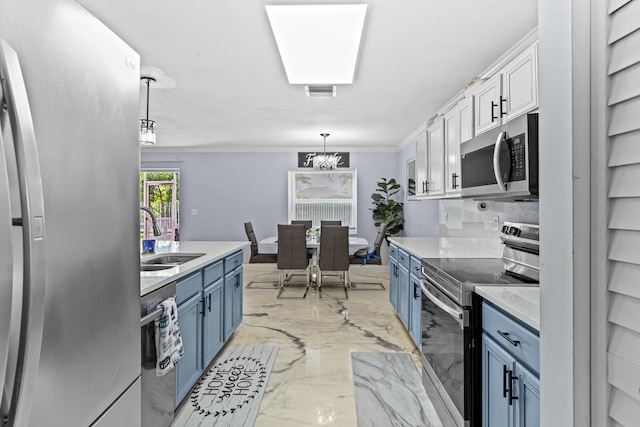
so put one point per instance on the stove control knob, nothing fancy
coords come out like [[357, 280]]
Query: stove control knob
[[505, 229], [514, 231]]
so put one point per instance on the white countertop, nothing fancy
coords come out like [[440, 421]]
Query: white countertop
[[522, 302], [152, 280], [450, 247]]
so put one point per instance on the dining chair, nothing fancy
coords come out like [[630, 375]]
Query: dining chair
[[330, 222], [292, 254], [334, 254], [257, 257], [370, 255], [307, 223]]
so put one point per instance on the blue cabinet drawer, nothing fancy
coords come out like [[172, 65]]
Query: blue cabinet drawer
[[404, 259], [213, 273], [393, 252], [513, 336], [188, 287], [415, 267], [233, 261]]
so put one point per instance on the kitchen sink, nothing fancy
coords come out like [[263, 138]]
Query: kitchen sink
[[169, 260], [154, 267]]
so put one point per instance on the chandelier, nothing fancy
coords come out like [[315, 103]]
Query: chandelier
[[147, 127], [325, 161]]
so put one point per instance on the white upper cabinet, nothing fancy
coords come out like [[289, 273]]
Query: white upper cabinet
[[520, 84], [452, 130], [465, 114], [435, 158], [487, 104], [421, 164], [509, 93]]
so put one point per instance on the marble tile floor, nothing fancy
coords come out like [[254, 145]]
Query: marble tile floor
[[311, 383]]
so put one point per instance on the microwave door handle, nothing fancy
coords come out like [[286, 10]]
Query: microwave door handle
[[456, 314], [33, 235], [496, 161]]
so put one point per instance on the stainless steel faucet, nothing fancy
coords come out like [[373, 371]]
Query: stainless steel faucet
[[154, 222]]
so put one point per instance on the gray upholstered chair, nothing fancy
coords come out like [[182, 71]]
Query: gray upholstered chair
[[329, 222], [334, 254], [257, 257], [306, 222], [371, 255], [292, 254]]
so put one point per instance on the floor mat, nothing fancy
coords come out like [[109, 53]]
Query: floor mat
[[388, 391], [229, 394]]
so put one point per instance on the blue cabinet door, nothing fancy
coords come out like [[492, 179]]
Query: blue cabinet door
[[237, 298], [189, 368], [229, 282], [415, 310], [497, 371], [403, 295], [528, 407], [212, 333], [393, 283]]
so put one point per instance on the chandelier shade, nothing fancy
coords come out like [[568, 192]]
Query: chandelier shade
[[147, 127], [325, 161]]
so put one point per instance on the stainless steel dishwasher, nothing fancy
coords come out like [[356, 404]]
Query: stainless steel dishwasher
[[158, 393]]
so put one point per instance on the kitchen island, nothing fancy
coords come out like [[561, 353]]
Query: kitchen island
[[212, 251]]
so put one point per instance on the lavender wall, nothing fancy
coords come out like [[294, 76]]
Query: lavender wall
[[228, 189]]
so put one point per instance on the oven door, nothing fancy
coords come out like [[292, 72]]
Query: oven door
[[446, 342]]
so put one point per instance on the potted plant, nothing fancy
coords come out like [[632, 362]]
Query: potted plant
[[386, 209]]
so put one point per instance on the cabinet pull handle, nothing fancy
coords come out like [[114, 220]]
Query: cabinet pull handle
[[506, 336], [424, 186], [505, 389], [204, 310], [416, 295], [237, 280], [454, 177], [494, 117], [209, 303], [427, 183], [503, 112], [511, 379]]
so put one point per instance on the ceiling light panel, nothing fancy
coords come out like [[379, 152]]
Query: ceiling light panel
[[318, 44]]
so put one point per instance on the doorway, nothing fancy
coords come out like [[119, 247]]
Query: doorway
[[160, 192]]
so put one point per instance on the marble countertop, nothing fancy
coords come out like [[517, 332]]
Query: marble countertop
[[522, 302], [152, 280], [450, 247]]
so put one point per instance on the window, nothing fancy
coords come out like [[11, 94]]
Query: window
[[324, 195], [160, 192]]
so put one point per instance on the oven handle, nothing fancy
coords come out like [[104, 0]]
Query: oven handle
[[496, 161], [453, 312]]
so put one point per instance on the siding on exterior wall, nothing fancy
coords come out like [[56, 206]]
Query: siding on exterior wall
[[623, 359]]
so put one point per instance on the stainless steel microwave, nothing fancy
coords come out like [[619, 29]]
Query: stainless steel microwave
[[502, 163]]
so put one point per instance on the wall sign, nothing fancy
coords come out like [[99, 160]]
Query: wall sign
[[305, 160]]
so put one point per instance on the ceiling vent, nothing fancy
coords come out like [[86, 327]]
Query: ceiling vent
[[331, 90]]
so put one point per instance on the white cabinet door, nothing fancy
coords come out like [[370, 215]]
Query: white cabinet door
[[520, 84], [452, 152], [435, 156], [487, 105], [421, 165], [465, 114]]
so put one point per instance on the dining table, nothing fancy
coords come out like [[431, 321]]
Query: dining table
[[269, 245]]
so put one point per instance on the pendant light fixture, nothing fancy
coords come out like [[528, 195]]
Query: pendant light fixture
[[325, 161], [147, 127]]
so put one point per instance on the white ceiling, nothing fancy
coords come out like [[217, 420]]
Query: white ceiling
[[231, 92]]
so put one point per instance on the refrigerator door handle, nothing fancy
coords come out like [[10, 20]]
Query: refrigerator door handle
[[33, 236], [6, 254]]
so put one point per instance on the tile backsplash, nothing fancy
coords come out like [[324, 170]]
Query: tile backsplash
[[473, 218]]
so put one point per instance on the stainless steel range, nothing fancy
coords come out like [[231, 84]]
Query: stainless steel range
[[452, 324]]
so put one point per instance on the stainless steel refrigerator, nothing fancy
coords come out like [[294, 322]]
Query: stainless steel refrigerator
[[69, 219]]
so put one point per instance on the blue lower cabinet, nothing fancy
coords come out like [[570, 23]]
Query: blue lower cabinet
[[415, 310], [510, 361], [212, 333], [393, 283], [189, 367], [403, 295], [528, 408], [209, 310]]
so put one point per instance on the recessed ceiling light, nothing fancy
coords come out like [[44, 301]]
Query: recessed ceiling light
[[318, 44]]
